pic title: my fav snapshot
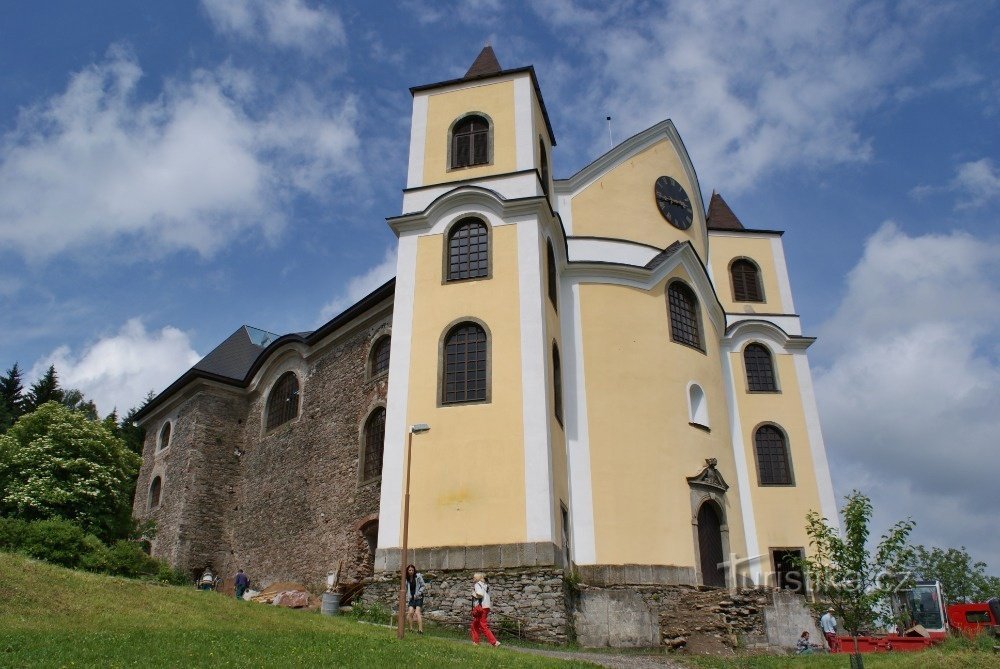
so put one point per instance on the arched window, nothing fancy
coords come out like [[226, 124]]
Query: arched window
[[550, 265], [760, 368], [465, 358], [470, 142], [374, 444], [697, 406], [746, 281], [683, 308], [468, 250], [379, 363], [773, 464], [154, 493], [557, 384], [543, 164], [164, 440], [283, 402]]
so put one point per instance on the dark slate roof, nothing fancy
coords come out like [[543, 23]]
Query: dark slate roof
[[720, 216], [486, 63], [234, 357], [662, 256]]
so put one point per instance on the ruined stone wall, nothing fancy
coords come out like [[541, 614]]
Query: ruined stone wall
[[530, 602]]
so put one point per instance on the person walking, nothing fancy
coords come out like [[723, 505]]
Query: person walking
[[480, 610], [829, 626], [242, 583], [414, 598]]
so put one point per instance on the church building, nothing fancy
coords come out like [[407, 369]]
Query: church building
[[597, 374]]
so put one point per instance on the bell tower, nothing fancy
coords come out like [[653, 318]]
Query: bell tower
[[474, 330]]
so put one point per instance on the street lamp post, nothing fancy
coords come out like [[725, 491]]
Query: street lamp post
[[416, 428]]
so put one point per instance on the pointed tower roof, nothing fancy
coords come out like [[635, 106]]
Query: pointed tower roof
[[720, 216], [485, 64]]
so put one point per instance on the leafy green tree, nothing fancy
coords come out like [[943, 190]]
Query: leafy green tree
[[962, 578], [45, 389], [129, 429], [55, 463], [6, 416], [12, 392], [74, 400], [843, 570]]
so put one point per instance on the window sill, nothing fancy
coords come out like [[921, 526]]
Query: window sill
[[701, 427]]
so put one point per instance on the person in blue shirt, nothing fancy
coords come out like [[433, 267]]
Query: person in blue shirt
[[242, 583]]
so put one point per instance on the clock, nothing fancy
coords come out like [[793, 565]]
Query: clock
[[673, 202]]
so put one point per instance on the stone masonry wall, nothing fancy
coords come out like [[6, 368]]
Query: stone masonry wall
[[531, 602]]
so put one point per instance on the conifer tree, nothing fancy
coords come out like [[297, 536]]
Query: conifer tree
[[46, 389], [12, 391]]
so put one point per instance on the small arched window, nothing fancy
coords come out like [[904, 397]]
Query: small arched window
[[774, 467], [164, 439], [697, 406], [550, 265], [760, 368], [557, 397], [746, 281], [154, 493], [543, 164], [468, 250], [465, 360], [374, 444], [283, 402], [379, 363], [683, 308], [470, 142]]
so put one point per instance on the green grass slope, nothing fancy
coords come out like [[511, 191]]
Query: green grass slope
[[54, 617]]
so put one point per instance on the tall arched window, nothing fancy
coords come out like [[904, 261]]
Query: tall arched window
[[557, 398], [465, 359], [774, 467], [550, 266], [468, 250], [470, 142], [379, 362], [374, 444], [683, 308], [164, 439], [760, 368], [154, 492], [697, 406], [746, 281], [543, 164], [283, 402]]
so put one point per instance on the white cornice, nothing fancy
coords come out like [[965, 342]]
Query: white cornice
[[469, 196], [753, 329]]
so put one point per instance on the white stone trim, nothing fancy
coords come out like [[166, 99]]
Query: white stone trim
[[791, 324], [621, 251], [508, 186], [524, 135], [472, 199], [577, 428], [827, 500], [418, 141], [784, 286], [539, 521], [563, 203], [742, 469], [390, 504]]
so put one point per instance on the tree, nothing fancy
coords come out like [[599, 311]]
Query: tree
[[6, 416], [45, 389], [54, 462], [843, 571], [130, 431], [962, 578], [74, 400], [12, 391]]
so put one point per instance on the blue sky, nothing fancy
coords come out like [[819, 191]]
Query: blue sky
[[171, 171]]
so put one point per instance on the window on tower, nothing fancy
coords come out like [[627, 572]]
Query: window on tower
[[283, 402], [468, 250], [465, 376], [683, 308], [746, 281], [470, 142], [774, 467], [374, 445]]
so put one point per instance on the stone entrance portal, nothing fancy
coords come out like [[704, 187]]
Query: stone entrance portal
[[710, 546]]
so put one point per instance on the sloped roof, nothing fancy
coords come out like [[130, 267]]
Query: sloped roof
[[486, 63], [234, 357], [720, 216]]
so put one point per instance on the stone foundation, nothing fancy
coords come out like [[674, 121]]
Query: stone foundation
[[529, 602]]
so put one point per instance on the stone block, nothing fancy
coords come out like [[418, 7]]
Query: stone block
[[545, 553], [529, 555], [455, 557], [474, 557], [491, 556], [510, 555]]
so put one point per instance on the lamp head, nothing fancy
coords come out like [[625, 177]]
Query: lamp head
[[417, 428]]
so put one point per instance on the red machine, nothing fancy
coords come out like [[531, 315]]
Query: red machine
[[971, 619]]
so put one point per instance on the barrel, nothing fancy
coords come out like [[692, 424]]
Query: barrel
[[331, 604]]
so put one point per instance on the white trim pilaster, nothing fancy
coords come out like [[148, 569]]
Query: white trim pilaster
[[827, 500], [524, 136], [784, 286], [418, 140]]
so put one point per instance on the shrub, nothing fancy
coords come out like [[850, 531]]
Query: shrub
[[126, 558], [12, 534], [57, 541]]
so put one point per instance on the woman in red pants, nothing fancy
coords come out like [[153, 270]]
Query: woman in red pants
[[481, 609]]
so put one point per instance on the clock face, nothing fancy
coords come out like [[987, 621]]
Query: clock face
[[673, 203]]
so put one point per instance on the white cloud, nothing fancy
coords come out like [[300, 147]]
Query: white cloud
[[118, 371], [752, 87], [908, 397], [289, 24], [978, 181], [205, 161], [360, 285]]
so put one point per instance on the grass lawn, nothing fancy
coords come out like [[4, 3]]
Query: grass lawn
[[54, 617]]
